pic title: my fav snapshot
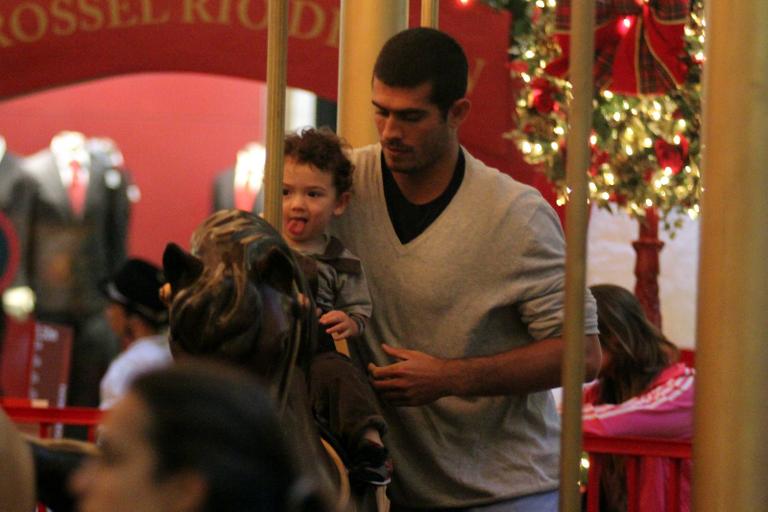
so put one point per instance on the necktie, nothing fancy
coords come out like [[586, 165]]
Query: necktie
[[76, 189]]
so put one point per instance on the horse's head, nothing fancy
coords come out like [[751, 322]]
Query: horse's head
[[236, 297]]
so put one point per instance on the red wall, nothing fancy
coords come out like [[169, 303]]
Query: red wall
[[177, 131]]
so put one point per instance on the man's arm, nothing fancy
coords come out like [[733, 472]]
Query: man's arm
[[418, 378]]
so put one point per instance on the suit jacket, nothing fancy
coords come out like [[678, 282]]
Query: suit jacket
[[224, 193], [10, 171], [65, 257]]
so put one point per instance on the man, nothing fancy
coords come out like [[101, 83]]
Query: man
[[466, 274], [139, 318]]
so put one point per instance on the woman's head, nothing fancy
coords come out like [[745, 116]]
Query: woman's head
[[634, 350], [193, 438]]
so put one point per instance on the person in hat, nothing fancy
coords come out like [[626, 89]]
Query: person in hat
[[139, 318]]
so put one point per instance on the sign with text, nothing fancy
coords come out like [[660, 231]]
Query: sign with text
[[35, 361], [49, 371], [49, 43]]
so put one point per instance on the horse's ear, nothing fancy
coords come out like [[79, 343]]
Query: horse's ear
[[180, 267], [274, 267]]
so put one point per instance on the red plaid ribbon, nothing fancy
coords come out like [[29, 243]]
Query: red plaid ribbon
[[639, 45]]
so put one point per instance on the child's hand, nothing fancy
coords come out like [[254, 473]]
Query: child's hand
[[302, 299], [166, 294], [341, 325]]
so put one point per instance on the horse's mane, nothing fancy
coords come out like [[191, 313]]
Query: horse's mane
[[218, 293], [227, 294]]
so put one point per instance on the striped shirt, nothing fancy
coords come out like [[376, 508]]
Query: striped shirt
[[665, 410]]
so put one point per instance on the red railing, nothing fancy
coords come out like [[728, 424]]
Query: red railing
[[47, 417], [21, 412], [634, 449]]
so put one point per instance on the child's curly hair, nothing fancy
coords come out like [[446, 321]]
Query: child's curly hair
[[324, 150]]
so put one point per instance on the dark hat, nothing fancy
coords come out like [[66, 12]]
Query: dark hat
[[136, 286]]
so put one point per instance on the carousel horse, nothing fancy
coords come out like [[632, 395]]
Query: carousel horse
[[240, 296]]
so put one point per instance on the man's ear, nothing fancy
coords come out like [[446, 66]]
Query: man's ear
[[459, 112], [181, 269], [341, 203]]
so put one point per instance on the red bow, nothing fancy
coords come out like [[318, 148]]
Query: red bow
[[672, 156], [639, 45], [543, 96]]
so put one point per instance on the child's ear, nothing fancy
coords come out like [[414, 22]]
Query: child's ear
[[341, 203]]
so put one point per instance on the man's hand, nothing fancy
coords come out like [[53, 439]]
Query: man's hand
[[341, 325], [415, 379]]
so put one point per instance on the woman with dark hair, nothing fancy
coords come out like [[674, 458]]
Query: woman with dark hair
[[194, 438], [643, 391]]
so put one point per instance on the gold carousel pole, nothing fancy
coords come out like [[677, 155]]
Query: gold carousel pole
[[577, 162], [277, 42], [430, 13], [731, 418], [365, 27]]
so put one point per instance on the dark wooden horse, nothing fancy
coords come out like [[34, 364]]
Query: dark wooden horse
[[240, 296]]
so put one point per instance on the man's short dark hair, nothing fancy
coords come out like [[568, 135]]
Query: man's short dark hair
[[425, 55]]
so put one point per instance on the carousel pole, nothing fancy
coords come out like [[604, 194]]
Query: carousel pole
[[277, 46], [365, 27], [430, 13], [731, 415], [277, 42], [577, 162]]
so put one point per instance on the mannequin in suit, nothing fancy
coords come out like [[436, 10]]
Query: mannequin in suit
[[71, 213], [240, 187]]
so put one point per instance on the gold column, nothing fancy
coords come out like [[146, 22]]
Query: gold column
[[277, 46], [731, 419], [365, 27], [577, 162], [430, 13]]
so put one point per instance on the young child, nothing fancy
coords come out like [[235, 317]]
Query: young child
[[317, 179]]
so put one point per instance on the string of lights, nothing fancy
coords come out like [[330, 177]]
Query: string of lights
[[645, 146]]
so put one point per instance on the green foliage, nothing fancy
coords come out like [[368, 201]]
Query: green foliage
[[646, 149]]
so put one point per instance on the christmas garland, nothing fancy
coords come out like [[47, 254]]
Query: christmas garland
[[645, 145]]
